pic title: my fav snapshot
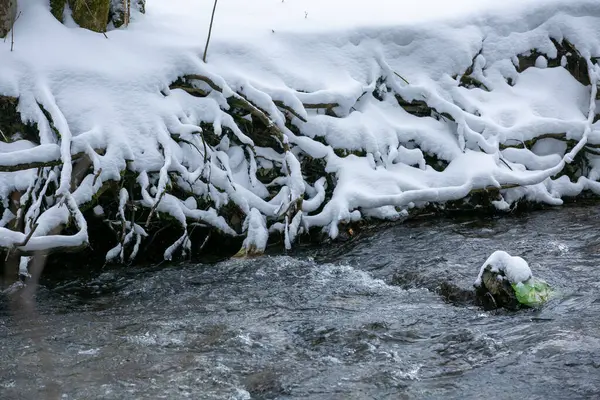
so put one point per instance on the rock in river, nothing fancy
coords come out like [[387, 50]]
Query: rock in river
[[505, 281]]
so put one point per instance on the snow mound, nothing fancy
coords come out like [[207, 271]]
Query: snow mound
[[514, 268]]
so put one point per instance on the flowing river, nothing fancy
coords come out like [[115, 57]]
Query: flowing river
[[360, 320]]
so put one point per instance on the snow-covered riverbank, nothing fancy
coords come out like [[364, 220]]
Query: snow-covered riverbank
[[306, 115]]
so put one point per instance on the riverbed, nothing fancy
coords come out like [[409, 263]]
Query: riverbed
[[360, 320]]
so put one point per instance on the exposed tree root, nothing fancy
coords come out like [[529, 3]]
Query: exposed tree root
[[290, 187]]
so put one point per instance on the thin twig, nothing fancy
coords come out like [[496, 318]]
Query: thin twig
[[153, 209], [505, 163], [4, 137], [400, 76], [96, 176], [205, 241], [209, 30], [12, 32], [26, 240]]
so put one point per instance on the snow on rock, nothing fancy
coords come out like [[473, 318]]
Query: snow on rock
[[514, 268], [299, 118]]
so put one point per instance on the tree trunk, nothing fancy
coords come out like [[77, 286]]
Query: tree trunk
[[8, 13]]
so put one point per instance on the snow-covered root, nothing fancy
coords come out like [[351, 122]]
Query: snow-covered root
[[253, 161]]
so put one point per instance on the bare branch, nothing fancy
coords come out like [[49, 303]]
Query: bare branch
[[210, 30]]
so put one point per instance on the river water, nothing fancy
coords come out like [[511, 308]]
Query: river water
[[362, 320]]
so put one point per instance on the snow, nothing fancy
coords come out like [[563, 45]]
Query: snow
[[109, 98], [98, 211], [257, 234], [32, 155], [514, 268]]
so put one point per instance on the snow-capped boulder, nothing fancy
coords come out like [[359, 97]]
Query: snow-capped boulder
[[505, 281]]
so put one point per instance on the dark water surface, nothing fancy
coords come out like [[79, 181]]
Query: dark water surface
[[363, 320]]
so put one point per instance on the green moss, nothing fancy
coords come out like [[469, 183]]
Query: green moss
[[418, 108], [266, 176], [470, 82], [346, 152], [532, 293], [57, 8], [91, 14], [112, 185], [180, 83]]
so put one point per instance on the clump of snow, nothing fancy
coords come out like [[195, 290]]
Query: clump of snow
[[98, 211], [514, 268], [541, 62], [256, 229]]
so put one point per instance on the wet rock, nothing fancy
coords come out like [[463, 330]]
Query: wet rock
[[505, 281], [495, 291], [494, 284], [456, 295], [264, 384]]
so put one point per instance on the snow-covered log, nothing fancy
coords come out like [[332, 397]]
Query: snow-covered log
[[292, 126]]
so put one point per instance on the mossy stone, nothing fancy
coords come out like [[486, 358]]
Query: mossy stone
[[496, 291], [91, 14], [8, 13]]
